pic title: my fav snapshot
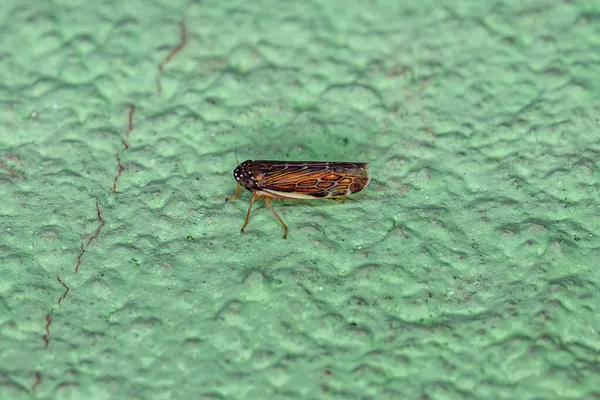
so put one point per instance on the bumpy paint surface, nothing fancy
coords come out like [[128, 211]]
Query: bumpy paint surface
[[467, 269]]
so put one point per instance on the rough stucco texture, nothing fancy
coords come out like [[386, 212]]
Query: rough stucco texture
[[468, 269]]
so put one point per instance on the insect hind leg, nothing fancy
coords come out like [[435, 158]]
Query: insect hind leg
[[285, 228], [248, 212]]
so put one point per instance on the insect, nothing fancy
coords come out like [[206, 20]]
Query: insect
[[298, 180]]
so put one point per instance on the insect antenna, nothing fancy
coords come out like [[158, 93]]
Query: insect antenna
[[235, 149]]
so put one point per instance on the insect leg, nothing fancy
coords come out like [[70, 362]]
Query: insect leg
[[236, 195], [268, 203], [248, 213]]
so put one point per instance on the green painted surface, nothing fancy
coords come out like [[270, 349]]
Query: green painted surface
[[468, 269]]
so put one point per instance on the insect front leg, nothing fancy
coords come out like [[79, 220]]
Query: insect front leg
[[236, 195]]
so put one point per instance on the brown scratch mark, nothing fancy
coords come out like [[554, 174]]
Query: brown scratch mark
[[79, 258], [66, 291], [45, 337], [37, 381], [129, 127], [120, 170], [92, 238], [131, 111], [99, 227], [172, 54], [177, 49]]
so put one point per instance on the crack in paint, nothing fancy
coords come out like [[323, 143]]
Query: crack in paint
[[37, 381], [66, 289], [177, 49], [125, 142], [79, 258], [92, 238], [120, 170], [129, 127], [99, 227], [172, 54], [45, 337]]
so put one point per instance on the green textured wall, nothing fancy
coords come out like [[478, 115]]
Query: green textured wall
[[468, 269]]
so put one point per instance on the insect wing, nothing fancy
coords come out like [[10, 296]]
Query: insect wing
[[311, 179]]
